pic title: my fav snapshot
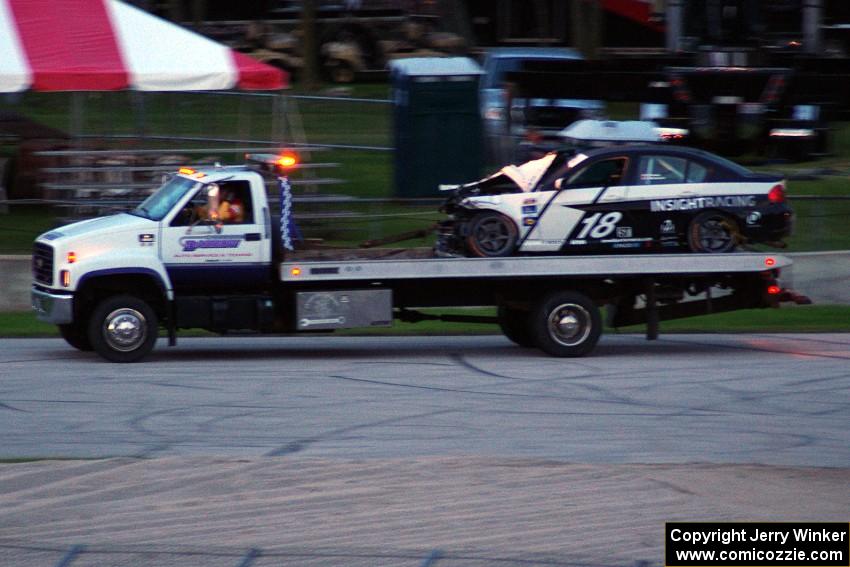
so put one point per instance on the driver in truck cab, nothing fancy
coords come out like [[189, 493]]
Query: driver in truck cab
[[231, 209]]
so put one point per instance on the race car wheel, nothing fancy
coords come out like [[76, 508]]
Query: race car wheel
[[515, 326], [123, 328], [712, 232], [491, 235], [76, 335], [566, 324]]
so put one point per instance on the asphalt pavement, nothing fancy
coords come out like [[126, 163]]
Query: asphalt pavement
[[763, 399], [440, 451]]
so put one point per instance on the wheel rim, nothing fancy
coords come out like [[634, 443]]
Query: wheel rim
[[569, 324], [492, 235], [125, 329], [714, 234]]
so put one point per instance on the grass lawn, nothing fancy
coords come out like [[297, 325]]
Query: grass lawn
[[790, 319]]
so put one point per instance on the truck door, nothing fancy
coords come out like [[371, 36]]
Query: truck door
[[217, 240]]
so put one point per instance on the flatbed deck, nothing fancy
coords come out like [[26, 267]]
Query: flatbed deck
[[400, 267]]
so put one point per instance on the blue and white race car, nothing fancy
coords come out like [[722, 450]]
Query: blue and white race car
[[619, 199]]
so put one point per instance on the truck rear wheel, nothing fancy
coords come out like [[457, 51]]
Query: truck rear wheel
[[76, 335], [123, 328], [566, 324], [515, 326]]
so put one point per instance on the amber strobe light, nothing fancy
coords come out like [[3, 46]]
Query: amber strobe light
[[296, 271], [287, 160]]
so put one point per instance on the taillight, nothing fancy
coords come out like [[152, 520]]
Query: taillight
[[777, 194], [774, 290]]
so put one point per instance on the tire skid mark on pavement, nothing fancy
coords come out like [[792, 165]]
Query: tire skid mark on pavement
[[301, 444]]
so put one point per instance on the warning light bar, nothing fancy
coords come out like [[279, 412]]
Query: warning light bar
[[274, 163], [186, 170]]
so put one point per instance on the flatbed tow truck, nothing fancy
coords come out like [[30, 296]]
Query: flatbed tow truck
[[205, 251]]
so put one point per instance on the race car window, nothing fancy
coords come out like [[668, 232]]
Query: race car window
[[662, 170], [696, 173], [605, 173]]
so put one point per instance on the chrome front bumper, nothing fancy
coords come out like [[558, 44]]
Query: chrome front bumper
[[52, 308]]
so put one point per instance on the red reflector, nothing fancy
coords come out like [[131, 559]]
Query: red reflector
[[773, 290], [777, 194], [769, 262]]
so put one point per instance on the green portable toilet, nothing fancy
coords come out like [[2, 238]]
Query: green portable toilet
[[437, 125]]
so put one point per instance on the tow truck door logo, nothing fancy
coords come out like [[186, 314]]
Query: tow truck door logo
[[191, 243], [667, 227]]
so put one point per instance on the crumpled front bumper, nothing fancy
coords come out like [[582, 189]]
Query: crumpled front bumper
[[52, 307]]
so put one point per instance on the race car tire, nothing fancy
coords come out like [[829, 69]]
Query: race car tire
[[76, 335], [491, 235], [712, 232], [566, 324], [515, 326], [123, 328]]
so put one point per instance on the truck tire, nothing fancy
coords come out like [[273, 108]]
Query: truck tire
[[566, 324], [76, 335], [123, 328], [491, 235], [515, 326]]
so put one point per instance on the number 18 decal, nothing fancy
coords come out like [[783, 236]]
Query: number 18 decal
[[599, 225]]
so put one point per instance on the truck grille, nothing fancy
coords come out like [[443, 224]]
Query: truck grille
[[42, 263]]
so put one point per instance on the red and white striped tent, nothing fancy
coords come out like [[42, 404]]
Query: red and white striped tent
[[102, 45]]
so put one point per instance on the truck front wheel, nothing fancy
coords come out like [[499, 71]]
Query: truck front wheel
[[123, 328], [566, 324], [76, 335]]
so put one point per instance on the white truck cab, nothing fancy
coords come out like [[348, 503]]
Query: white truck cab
[[201, 231]]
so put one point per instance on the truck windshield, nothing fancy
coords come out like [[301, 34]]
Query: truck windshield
[[157, 205]]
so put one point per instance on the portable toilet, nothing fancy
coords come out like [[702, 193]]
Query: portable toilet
[[437, 125]]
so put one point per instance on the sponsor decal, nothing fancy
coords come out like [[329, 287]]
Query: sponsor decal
[[610, 240], [754, 217], [578, 242], [529, 209], [529, 221], [529, 202], [328, 321], [624, 232], [190, 244], [693, 203], [146, 239], [626, 245], [667, 227]]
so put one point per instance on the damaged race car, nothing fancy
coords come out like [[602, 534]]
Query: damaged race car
[[619, 199]]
